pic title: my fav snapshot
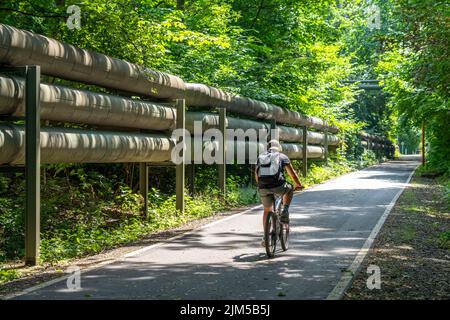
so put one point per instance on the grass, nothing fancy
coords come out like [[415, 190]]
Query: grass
[[444, 240], [414, 206], [408, 233], [413, 246]]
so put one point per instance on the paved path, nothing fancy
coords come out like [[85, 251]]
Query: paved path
[[329, 225]]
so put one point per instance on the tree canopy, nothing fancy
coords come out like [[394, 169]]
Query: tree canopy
[[292, 53]]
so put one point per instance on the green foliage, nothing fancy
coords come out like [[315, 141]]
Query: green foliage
[[7, 275], [408, 136], [320, 172], [238, 193], [128, 200], [416, 67], [292, 53], [444, 240], [368, 158], [11, 228]]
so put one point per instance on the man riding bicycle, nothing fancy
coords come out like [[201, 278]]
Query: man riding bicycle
[[269, 175]]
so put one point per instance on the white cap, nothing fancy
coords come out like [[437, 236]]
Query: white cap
[[274, 145]]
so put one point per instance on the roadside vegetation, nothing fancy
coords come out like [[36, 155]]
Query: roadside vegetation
[[413, 248]]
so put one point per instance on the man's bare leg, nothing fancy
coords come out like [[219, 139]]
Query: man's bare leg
[[287, 198], [266, 212]]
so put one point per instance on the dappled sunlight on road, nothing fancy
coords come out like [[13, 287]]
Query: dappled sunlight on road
[[329, 225]]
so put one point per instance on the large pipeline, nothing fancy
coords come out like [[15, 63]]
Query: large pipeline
[[201, 95], [20, 47], [64, 145], [60, 145], [375, 145], [370, 137], [289, 134], [65, 104]]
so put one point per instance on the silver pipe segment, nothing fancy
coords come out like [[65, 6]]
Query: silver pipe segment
[[200, 95], [295, 151], [365, 136], [250, 151], [20, 47], [60, 145], [374, 145], [67, 145], [65, 104], [289, 134], [61, 103]]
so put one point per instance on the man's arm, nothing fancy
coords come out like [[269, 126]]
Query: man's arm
[[256, 174], [290, 170]]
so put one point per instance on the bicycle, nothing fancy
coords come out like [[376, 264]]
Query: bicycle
[[275, 230]]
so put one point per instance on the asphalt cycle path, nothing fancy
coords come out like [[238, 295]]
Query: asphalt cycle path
[[330, 226]]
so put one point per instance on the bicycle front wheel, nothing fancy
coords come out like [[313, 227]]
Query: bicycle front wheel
[[270, 234]]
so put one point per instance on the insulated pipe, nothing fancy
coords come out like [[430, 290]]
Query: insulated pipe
[[249, 151], [65, 104], [64, 145], [201, 95], [374, 145], [366, 136], [20, 47], [61, 103], [295, 151], [289, 134], [60, 145]]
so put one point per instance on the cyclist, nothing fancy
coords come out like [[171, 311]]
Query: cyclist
[[269, 175]]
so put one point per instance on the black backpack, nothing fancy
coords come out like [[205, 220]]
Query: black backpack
[[269, 169]]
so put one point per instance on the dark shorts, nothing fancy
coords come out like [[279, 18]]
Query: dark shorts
[[268, 195]]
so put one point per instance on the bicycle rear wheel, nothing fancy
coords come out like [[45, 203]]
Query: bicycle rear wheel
[[270, 234], [284, 236]]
